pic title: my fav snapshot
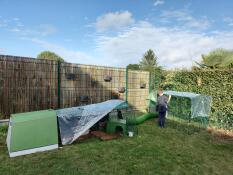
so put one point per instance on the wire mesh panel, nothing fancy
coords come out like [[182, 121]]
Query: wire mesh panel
[[190, 104], [190, 108], [85, 84], [201, 106], [185, 107], [138, 89], [180, 107]]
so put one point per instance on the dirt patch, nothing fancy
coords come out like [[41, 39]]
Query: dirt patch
[[104, 136], [221, 133], [85, 137]]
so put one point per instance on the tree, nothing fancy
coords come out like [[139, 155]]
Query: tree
[[134, 66], [218, 58], [149, 63], [48, 55]]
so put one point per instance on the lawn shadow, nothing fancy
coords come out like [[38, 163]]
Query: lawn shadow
[[188, 127]]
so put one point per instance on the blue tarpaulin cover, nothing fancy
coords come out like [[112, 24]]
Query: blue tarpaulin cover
[[75, 121]]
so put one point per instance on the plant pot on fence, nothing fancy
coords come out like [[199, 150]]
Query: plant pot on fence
[[84, 98], [142, 85], [115, 95], [121, 89], [108, 78]]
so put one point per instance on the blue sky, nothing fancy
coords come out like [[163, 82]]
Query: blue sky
[[116, 33]]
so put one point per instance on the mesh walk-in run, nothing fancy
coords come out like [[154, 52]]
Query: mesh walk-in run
[[195, 105], [188, 106]]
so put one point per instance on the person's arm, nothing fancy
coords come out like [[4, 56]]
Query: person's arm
[[169, 98]]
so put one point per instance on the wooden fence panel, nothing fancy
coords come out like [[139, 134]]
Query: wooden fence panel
[[28, 84]]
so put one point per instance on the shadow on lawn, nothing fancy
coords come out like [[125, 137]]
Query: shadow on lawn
[[195, 127], [186, 126]]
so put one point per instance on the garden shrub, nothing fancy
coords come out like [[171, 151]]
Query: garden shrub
[[3, 130], [216, 83]]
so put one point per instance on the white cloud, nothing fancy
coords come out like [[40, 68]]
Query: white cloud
[[43, 30], [10, 24], [72, 56], [115, 20], [15, 25], [228, 20], [16, 19], [15, 30], [158, 2], [68, 40], [47, 29], [19, 24], [183, 18], [3, 22], [6, 23], [1, 50], [174, 47], [66, 53]]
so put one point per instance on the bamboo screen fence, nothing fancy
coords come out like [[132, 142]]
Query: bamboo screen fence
[[28, 84]]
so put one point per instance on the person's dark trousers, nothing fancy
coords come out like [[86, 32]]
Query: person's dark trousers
[[161, 119]]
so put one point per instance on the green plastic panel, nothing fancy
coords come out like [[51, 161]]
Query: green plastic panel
[[113, 124], [33, 129]]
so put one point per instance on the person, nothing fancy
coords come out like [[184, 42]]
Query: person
[[161, 107]]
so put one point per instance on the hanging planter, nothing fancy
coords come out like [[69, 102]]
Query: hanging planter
[[142, 85], [70, 76], [108, 78], [121, 89], [115, 95], [84, 98]]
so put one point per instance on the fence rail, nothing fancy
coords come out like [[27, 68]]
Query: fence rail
[[28, 84]]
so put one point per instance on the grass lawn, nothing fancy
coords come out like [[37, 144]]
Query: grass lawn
[[154, 151]]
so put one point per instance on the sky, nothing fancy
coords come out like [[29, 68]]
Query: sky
[[116, 33]]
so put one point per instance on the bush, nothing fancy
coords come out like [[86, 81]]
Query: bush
[[215, 83], [3, 130]]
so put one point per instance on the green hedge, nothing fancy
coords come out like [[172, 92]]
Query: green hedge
[[215, 83]]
